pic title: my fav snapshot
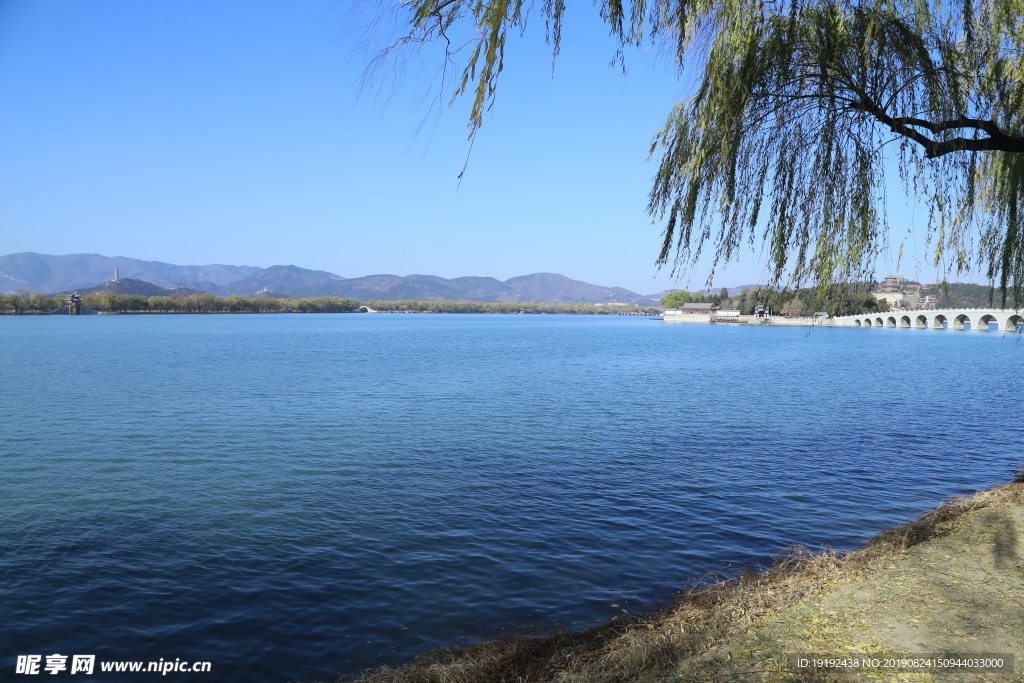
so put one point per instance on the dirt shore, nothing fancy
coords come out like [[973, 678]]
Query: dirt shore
[[950, 583], [958, 593]]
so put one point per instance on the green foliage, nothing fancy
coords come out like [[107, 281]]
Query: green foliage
[[801, 109], [676, 299], [964, 295], [24, 302], [842, 299], [208, 303], [109, 302]]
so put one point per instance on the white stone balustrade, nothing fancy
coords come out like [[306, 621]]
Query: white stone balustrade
[[977, 319]]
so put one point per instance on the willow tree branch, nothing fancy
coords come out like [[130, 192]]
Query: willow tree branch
[[998, 140]]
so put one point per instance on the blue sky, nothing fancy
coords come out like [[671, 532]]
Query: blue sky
[[235, 132]]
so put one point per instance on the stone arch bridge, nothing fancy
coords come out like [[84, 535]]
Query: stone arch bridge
[[978, 319]]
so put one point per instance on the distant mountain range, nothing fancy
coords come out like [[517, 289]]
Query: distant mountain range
[[94, 273], [126, 285], [46, 273]]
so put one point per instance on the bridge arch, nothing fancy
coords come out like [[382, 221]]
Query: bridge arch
[[961, 322], [983, 322], [978, 319]]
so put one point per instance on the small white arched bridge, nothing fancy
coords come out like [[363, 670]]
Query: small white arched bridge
[[978, 319]]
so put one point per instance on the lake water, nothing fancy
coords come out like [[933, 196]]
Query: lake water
[[295, 497]]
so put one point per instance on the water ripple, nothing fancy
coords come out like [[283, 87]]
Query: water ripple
[[293, 497]]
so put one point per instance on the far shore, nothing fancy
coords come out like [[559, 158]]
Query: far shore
[[119, 304], [595, 311]]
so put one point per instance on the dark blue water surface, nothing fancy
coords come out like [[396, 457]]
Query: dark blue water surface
[[299, 497]]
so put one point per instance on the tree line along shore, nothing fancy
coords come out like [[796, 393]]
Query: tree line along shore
[[107, 302], [842, 299], [849, 298], [837, 300]]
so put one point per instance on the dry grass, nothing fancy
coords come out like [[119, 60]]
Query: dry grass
[[700, 620]]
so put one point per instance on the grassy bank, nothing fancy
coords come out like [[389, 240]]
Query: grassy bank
[[951, 581]]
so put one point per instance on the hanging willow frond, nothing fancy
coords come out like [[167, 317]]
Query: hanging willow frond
[[784, 141]]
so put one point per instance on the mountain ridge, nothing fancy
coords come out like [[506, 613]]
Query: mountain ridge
[[51, 273], [130, 286]]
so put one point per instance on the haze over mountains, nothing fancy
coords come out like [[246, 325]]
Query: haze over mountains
[[51, 274]]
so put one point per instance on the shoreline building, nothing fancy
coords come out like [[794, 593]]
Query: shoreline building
[[707, 308], [892, 284], [902, 294], [74, 303], [692, 312]]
